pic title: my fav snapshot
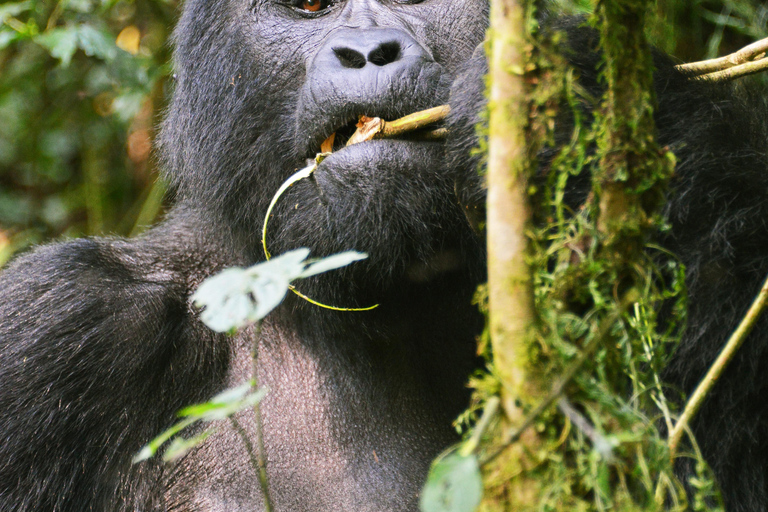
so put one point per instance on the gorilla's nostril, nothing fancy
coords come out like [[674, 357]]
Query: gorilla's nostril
[[385, 54], [350, 58]]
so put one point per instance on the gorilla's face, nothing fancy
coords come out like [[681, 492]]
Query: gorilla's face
[[260, 85], [374, 60]]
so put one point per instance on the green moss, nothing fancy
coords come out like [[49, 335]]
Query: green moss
[[599, 283]]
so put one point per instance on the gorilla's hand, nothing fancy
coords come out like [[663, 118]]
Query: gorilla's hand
[[467, 166]]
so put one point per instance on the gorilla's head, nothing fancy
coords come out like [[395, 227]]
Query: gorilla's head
[[259, 86]]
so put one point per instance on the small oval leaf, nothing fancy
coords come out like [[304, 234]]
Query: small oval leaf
[[454, 484]]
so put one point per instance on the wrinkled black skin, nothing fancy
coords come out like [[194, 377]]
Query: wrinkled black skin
[[100, 345]]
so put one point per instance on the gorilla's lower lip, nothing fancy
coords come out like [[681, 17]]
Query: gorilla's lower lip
[[367, 156], [374, 149]]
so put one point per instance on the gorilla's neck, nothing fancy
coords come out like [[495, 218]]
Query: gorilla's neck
[[370, 407], [360, 401]]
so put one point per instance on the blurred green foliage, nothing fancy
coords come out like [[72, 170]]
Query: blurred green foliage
[[82, 83], [694, 30]]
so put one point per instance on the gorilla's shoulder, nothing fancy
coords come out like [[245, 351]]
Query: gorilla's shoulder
[[88, 289]]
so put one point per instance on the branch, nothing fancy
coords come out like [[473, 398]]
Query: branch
[[260, 459], [718, 367], [512, 314], [748, 68], [370, 128], [257, 462], [749, 60]]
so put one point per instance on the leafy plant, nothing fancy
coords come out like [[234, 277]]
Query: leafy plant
[[454, 485], [238, 296], [232, 299]]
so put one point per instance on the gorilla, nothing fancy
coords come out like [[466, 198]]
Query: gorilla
[[101, 346]]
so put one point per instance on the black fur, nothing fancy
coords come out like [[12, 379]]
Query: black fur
[[100, 345]]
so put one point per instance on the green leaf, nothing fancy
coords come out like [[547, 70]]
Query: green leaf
[[145, 453], [180, 446], [235, 297], [226, 397], [332, 262], [454, 484], [269, 291], [151, 447], [227, 300], [290, 265], [61, 43], [13, 9], [221, 406], [232, 395], [7, 37], [222, 411], [96, 43], [81, 6], [64, 41], [128, 104]]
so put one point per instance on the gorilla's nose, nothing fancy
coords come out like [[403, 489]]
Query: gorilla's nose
[[363, 58], [381, 72], [385, 53], [357, 49]]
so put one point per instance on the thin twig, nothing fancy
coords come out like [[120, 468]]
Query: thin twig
[[490, 411], [436, 134], [53, 19], [261, 457], [415, 121], [718, 367], [746, 54], [256, 461], [371, 128], [748, 68], [599, 442]]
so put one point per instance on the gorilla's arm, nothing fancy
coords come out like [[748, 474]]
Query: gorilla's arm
[[96, 355]]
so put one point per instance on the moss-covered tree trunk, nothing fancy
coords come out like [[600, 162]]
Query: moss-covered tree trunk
[[633, 170], [579, 339], [512, 314]]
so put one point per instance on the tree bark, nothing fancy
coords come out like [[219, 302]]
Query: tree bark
[[512, 316]]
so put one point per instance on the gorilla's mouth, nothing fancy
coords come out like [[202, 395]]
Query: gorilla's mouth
[[339, 138], [425, 125], [331, 137]]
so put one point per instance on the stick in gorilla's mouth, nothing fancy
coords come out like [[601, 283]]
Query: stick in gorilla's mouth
[[414, 126]]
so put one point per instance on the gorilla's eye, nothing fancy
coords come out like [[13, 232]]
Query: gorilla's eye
[[314, 5]]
